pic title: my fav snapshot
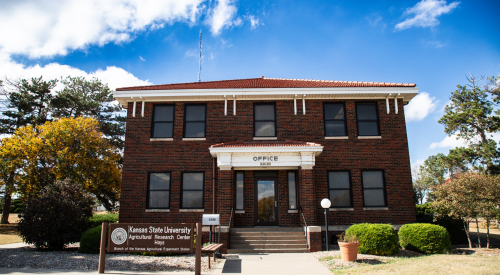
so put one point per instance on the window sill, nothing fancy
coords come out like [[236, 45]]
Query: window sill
[[188, 139], [265, 138], [369, 137], [161, 139], [157, 210], [293, 211], [341, 209], [191, 210], [375, 208], [340, 137], [239, 211]]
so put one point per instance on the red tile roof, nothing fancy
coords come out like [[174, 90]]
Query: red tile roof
[[287, 143], [265, 82]]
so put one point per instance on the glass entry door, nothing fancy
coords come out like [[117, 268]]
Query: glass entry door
[[266, 202]]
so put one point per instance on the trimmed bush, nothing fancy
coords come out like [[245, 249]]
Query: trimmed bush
[[375, 239], [455, 227], [425, 238], [98, 219], [58, 217], [91, 241]]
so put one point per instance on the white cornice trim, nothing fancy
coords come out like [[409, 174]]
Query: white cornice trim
[[271, 149], [406, 93]]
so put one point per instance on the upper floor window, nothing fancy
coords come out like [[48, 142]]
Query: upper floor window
[[192, 190], [163, 121], [159, 191], [339, 189], [195, 121], [264, 120], [335, 121], [373, 189], [367, 119]]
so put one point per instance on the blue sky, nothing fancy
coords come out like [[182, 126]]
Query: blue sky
[[432, 43]]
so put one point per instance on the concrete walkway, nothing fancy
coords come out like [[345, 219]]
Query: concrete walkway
[[245, 264], [12, 245]]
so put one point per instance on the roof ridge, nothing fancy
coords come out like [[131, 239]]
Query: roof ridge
[[335, 81]]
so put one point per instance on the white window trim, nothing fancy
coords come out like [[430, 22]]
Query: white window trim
[[339, 137], [239, 211], [265, 138], [161, 139], [369, 137], [191, 210], [193, 139], [157, 210], [375, 208], [341, 209]]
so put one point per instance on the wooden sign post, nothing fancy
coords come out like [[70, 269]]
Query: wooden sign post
[[151, 237]]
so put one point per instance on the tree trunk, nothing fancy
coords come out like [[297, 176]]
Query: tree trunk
[[488, 233], [466, 226], [478, 236], [6, 207]]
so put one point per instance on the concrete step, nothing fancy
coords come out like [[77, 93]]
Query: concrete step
[[296, 250], [267, 246], [250, 234], [266, 242], [268, 229], [271, 238]]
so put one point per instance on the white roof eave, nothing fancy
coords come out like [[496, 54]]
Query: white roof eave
[[406, 93]]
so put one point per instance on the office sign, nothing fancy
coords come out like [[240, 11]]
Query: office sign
[[151, 237]]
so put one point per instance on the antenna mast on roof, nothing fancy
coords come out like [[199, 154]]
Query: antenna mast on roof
[[199, 69]]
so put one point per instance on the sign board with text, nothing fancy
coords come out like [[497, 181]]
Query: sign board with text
[[151, 237]]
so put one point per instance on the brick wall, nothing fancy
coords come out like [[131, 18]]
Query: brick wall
[[390, 153]]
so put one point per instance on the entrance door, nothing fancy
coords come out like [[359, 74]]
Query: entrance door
[[266, 206]]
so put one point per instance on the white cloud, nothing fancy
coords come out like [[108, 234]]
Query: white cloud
[[426, 13], [226, 43], [115, 77], [453, 142], [420, 106], [54, 27], [449, 142], [222, 16], [192, 53], [142, 59], [435, 44], [254, 22]]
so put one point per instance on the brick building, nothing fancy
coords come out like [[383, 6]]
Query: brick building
[[264, 152]]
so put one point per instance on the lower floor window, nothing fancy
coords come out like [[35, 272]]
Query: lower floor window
[[192, 190], [159, 191], [339, 189], [373, 189], [292, 191]]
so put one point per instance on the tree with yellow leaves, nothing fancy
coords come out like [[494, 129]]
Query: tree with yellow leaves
[[67, 148]]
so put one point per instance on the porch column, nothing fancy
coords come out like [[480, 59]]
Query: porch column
[[307, 196], [225, 196]]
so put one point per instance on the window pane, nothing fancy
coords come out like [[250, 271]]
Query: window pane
[[264, 112], [192, 199], [292, 191], [374, 197], [192, 181], [335, 128], [164, 113], [368, 129], [338, 179], [367, 111], [195, 112], [239, 191], [373, 179], [163, 130], [159, 181], [195, 129], [340, 198], [264, 129], [159, 199], [334, 111]]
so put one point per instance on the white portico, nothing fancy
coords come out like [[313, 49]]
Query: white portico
[[268, 155]]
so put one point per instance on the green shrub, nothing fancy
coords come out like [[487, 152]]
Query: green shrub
[[375, 239], [424, 238], [58, 217], [91, 241], [455, 227], [424, 208], [98, 219]]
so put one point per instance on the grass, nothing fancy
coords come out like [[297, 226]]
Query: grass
[[434, 264]]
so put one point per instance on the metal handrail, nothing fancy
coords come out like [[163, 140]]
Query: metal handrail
[[229, 228], [305, 223]]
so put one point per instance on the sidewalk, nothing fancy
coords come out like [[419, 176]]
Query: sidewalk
[[12, 245], [245, 264]]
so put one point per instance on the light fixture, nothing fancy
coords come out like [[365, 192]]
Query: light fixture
[[326, 203]]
